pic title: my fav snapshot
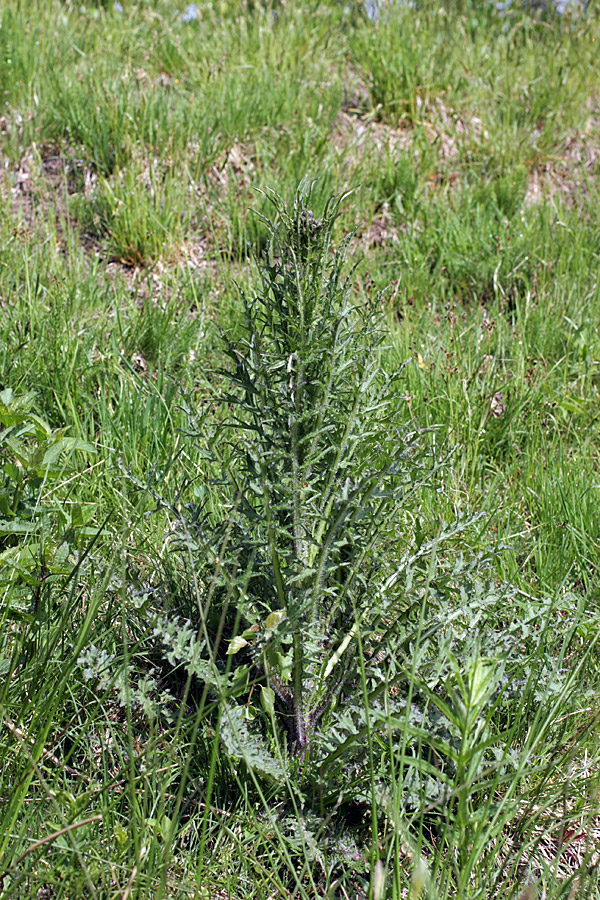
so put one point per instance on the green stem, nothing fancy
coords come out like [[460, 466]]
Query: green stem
[[300, 733]]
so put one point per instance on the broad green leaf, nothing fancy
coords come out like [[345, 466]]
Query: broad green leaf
[[64, 445], [236, 645], [267, 698], [274, 618], [17, 526]]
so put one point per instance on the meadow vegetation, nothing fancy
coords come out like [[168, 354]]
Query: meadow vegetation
[[299, 450]]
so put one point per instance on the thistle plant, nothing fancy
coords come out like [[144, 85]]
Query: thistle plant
[[315, 468]]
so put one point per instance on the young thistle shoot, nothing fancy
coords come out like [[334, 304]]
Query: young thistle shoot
[[318, 468]]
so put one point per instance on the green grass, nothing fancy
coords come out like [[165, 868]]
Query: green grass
[[136, 150]]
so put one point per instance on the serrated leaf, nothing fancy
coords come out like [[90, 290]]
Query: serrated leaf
[[241, 743]]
